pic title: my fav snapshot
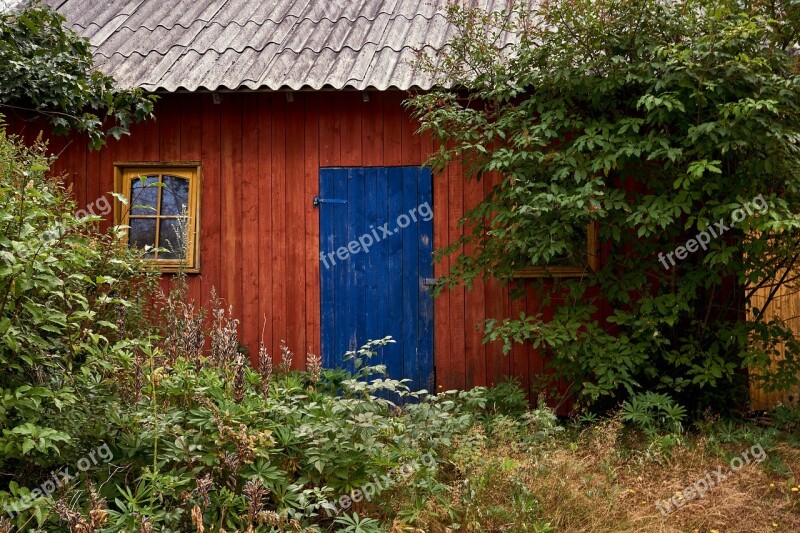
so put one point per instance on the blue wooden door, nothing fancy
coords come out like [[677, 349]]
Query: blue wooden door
[[376, 242]]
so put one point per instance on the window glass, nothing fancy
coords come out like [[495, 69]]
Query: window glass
[[144, 196], [171, 239], [174, 195], [142, 233]]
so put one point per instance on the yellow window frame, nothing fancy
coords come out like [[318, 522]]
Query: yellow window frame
[[592, 262], [125, 173]]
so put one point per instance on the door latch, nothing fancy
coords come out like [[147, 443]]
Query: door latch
[[429, 283], [318, 200]]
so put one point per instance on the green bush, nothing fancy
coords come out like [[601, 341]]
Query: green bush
[[67, 295], [208, 441], [656, 123]]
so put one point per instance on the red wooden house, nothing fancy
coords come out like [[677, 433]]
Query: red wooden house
[[280, 128]]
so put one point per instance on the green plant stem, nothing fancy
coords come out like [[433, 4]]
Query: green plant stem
[[155, 421]]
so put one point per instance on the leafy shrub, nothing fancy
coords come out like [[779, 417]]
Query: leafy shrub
[[507, 397], [659, 417], [654, 412], [206, 441], [300, 443], [787, 419], [67, 295], [654, 123]]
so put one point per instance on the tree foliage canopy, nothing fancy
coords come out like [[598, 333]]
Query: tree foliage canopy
[[652, 121], [49, 69]]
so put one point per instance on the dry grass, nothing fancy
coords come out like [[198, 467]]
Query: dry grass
[[592, 490], [588, 483]]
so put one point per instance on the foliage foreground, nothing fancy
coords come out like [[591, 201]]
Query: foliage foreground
[[212, 446]]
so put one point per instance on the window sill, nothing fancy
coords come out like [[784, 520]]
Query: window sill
[[171, 269], [553, 272]]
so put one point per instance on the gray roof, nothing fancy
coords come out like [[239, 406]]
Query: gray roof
[[261, 44]]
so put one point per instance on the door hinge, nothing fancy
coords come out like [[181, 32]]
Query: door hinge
[[429, 282], [318, 200]]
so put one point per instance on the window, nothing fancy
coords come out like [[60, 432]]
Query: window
[[162, 211], [569, 265]]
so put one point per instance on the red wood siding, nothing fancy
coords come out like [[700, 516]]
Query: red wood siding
[[259, 234]]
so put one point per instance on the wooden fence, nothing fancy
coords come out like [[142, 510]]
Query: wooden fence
[[786, 305]]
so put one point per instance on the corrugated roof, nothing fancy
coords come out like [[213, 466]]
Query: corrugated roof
[[262, 44]]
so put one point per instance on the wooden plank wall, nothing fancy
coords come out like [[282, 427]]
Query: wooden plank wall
[[786, 305], [259, 233]]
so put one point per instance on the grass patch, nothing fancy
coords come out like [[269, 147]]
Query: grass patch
[[604, 477]]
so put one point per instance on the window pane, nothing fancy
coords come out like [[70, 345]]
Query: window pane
[[144, 194], [142, 233], [575, 255], [172, 239], [174, 195]]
